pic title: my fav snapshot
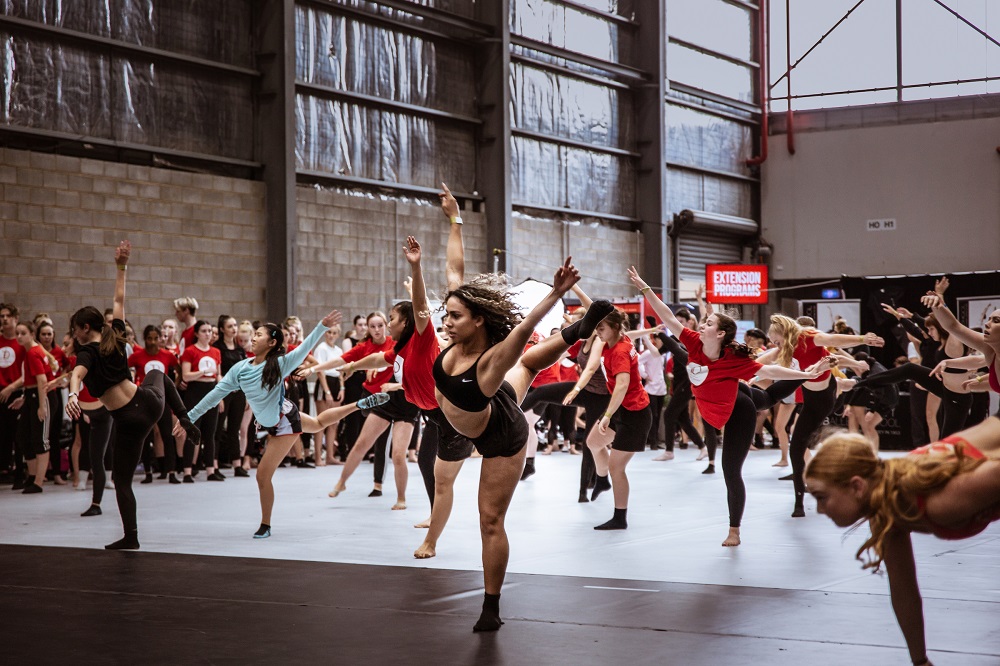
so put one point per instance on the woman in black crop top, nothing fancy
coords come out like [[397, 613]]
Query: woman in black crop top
[[481, 379], [101, 366]]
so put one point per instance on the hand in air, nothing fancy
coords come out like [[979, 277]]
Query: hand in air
[[633, 275], [565, 277], [448, 203], [122, 253], [932, 300], [941, 285], [332, 319], [904, 313], [891, 310], [873, 340], [411, 250]]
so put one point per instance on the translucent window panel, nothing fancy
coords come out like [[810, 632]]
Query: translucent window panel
[[360, 57], [547, 174], [218, 30], [49, 86], [563, 106], [710, 73], [714, 24], [860, 53], [702, 139], [353, 140], [549, 22], [958, 52], [695, 191]]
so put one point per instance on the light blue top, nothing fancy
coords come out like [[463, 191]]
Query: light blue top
[[246, 377]]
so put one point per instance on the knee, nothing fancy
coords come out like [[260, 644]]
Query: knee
[[490, 524]]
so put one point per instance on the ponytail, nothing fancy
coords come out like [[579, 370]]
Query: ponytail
[[111, 341], [271, 375], [727, 325]]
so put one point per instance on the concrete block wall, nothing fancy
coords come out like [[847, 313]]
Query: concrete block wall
[[192, 235], [349, 254], [601, 252]]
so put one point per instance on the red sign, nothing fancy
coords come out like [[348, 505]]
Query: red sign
[[736, 283]]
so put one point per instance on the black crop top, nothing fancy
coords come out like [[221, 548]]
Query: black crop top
[[230, 357], [461, 390], [103, 372]]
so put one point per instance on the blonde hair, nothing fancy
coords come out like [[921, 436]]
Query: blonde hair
[[789, 330], [188, 303], [893, 485]]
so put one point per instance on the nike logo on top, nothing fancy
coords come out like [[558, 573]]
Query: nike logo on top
[[466, 381]]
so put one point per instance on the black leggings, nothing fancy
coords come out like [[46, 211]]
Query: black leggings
[[235, 405], [133, 423], [954, 406], [207, 423], [594, 405], [96, 435], [428, 453], [350, 426], [656, 410], [676, 414], [816, 407]]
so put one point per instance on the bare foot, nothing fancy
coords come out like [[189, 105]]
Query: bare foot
[[734, 537], [336, 461], [425, 551], [320, 463], [400, 505], [780, 463], [423, 525], [336, 490]]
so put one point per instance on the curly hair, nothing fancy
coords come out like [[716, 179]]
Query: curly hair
[[488, 296], [893, 484]]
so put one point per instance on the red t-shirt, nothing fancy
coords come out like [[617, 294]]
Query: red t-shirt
[[143, 363], [574, 349], [84, 395], [203, 360], [11, 359], [807, 353], [715, 383], [568, 371], [60, 356], [35, 363], [622, 357], [366, 348], [187, 338], [417, 359]]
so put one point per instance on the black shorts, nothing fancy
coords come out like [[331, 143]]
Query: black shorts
[[290, 422], [453, 446], [506, 432], [32, 434], [397, 409], [631, 429], [334, 385]]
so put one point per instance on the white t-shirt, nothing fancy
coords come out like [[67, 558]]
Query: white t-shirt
[[651, 369], [324, 353]]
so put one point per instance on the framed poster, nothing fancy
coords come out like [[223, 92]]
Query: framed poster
[[973, 311], [825, 312]]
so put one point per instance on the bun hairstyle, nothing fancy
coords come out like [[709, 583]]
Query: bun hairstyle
[[893, 485], [111, 340], [727, 325], [618, 320], [271, 375], [405, 310]]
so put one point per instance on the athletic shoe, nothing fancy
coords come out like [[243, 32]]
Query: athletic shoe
[[215, 476], [262, 533], [188, 478], [372, 401], [241, 472], [94, 510], [31, 489]]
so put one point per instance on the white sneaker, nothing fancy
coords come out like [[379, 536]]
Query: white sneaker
[[109, 484], [666, 455], [702, 453], [81, 481]]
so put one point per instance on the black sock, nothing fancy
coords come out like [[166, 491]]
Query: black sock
[[375, 493], [489, 620], [600, 485], [262, 530], [128, 542], [583, 329], [616, 523], [758, 440]]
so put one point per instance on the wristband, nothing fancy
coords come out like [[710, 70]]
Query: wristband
[[607, 414], [861, 338], [645, 289], [456, 219], [73, 395], [121, 267], [577, 389], [980, 378]]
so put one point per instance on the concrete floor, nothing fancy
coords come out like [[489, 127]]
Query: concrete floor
[[663, 591]]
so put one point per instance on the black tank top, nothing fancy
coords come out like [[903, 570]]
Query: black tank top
[[461, 390]]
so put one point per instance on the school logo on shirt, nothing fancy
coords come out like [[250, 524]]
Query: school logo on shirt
[[6, 357], [697, 374], [153, 365], [207, 365]]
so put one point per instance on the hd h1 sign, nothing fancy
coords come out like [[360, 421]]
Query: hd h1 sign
[[736, 283]]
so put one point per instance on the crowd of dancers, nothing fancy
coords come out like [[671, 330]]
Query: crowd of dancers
[[192, 396]]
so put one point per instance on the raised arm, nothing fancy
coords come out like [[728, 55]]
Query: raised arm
[[841, 340], [659, 307], [585, 300], [704, 307], [122, 253], [905, 592], [227, 385], [291, 361], [455, 254], [418, 291], [593, 363], [953, 326]]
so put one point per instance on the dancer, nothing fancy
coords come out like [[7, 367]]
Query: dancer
[[200, 363], [715, 365], [807, 346], [101, 366], [143, 360], [261, 379], [950, 489]]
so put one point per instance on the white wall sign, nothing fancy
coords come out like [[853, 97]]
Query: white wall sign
[[881, 225]]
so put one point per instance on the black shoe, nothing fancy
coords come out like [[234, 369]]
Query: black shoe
[[188, 478], [375, 493], [241, 472], [682, 445], [172, 478], [305, 464], [19, 484], [788, 477], [162, 476], [94, 510], [710, 469], [31, 489], [215, 476], [148, 479]]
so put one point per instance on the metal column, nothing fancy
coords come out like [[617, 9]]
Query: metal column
[[275, 29]]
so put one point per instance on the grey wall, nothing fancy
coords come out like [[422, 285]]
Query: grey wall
[[939, 180]]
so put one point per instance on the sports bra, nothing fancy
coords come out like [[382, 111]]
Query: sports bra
[[461, 390], [994, 383], [974, 526]]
